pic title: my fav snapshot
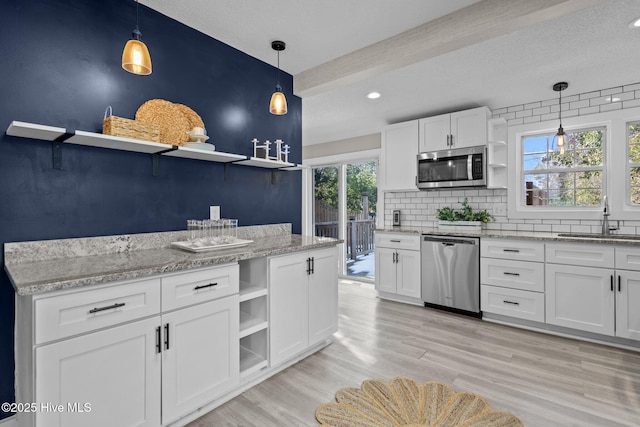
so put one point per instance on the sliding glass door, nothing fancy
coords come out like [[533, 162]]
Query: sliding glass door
[[344, 207]]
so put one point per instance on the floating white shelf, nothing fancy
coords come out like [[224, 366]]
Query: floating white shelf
[[263, 163], [30, 130], [92, 139], [297, 167], [101, 140], [208, 155]]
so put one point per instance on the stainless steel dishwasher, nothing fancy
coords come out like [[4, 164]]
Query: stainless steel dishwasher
[[451, 272]]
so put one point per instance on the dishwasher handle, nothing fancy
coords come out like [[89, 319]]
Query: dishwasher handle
[[450, 241]]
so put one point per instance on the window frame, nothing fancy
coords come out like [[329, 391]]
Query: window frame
[[550, 171]]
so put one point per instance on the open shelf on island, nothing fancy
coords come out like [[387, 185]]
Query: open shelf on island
[[249, 292], [250, 361], [250, 324]]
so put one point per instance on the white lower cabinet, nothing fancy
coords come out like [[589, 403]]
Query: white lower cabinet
[[101, 347], [398, 264], [602, 299], [581, 298], [116, 371], [303, 296], [200, 356]]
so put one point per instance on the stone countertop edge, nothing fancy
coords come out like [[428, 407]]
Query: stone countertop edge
[[36, 277], [508, 234]]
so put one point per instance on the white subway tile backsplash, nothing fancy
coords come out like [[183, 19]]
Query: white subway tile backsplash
[[541, 110], [499, 111], [572, 98], [561, 228], [611, 91], [589, 95], [533, 105], [515, 122], [542, 227], [515, 108], [579, 104], [599, 101], [549, 102], [631, 103], [633, 87], [589, 110], [532, 119], [523, 113], [611, 107]]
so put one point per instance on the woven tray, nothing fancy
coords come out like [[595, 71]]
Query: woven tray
[[127, 128], [166, 115]]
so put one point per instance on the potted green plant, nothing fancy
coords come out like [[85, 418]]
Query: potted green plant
[[462, 219]]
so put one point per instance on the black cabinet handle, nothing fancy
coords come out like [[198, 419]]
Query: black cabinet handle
[[313, 265], [158, 340], [506, 273], [511, 302], [394, 241], [619, 287], [517, 251], [308, 265], [210, 285], [612, 283], [109, 307], [166, 336]]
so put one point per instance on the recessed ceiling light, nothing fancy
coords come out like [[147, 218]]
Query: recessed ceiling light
[[610, 99], [635, 24], [373, 95]]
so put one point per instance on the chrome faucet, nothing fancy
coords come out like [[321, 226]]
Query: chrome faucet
[[606, 230]]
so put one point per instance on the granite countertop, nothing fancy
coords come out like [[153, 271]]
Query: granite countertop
[[612, 239], [37, 275]]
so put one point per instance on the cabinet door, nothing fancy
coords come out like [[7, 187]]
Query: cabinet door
[[434, 133], [580, 298], [385, 270], [627, 305], [399, 157], [116, 371], [323, 295], [288, 306], [200, 356], [408, 274], [469, 127]]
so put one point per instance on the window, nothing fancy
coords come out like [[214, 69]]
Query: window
[[574, 178], [633, 160]]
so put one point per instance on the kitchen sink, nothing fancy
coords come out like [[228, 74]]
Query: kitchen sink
[[601, 236]]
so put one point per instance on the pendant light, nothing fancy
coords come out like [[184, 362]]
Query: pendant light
[[135, 56], [278, 104], [561, 137]]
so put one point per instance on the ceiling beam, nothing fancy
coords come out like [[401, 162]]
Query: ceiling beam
[[471, 25]]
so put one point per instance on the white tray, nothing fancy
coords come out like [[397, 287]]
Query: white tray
[[188, 247]]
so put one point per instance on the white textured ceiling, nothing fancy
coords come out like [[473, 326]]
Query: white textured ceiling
[[591, 49]]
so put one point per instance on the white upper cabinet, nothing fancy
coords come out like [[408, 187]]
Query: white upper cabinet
[[399, 157], [461, 129]]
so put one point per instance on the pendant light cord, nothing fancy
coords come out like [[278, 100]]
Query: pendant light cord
[[560, 108], [278, 78]]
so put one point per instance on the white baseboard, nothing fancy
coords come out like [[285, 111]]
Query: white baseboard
[[9, 422]]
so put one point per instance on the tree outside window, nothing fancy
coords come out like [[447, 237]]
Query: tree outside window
[[633, 157], [570, 179]]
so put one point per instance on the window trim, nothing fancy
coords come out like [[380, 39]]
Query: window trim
[[615, 154], [514, 187], [524, 172]]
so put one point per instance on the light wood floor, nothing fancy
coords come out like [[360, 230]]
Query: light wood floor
[[546, 381]]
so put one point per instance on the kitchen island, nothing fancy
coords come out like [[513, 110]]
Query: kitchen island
[[136, 332]]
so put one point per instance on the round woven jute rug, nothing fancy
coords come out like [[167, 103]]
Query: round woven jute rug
[[403, 402]]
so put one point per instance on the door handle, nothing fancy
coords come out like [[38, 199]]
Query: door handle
[[451, 143], [166, 336], [313, 265], [158, 340], [619, 287], [308, 266], [448, 140], [506, 273], [611, 283], [510, 302], [511, 250]]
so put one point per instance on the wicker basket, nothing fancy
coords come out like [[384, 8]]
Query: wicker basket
[[127, 128]]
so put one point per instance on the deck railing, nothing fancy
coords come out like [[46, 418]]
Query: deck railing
[[359, 237]]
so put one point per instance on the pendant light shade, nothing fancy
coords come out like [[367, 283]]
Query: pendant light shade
[[560, 135], [135, 56], [278, 104]]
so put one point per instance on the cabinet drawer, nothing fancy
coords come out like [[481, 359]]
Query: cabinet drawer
[[585, 255], [512, 249], [513, 302], [71, 314], [190, 288], [398, 241], [627, 258], [528, 276]]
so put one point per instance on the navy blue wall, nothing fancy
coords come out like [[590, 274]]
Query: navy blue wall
[[61, 67]]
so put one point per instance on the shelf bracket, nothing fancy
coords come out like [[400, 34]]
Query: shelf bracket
[[56, 148], [155, 159], [227, 169], [273, 176]]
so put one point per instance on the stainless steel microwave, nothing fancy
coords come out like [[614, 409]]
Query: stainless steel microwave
[[461, 167]]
